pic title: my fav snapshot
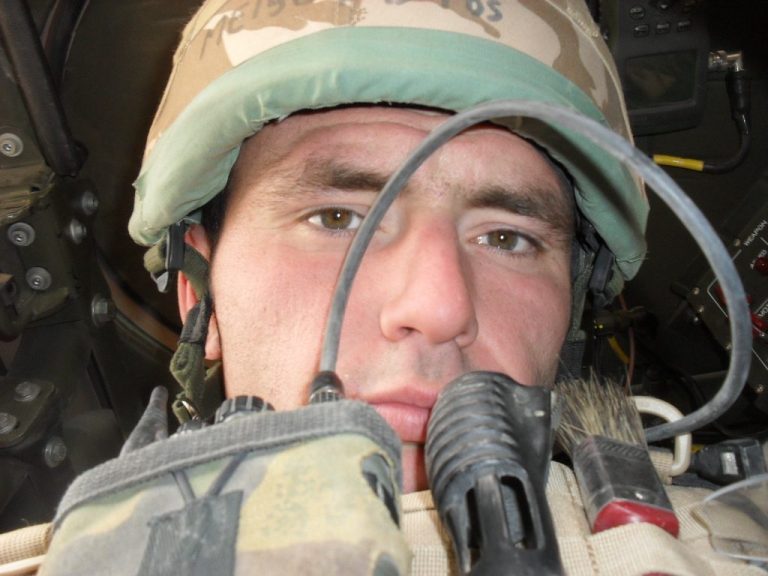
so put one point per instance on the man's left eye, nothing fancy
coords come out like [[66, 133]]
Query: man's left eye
[[506, 240], [336, 219]]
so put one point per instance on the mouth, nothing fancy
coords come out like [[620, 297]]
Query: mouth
[[407, 420], [410, 423]]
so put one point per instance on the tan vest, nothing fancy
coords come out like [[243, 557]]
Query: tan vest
[[631, 550]]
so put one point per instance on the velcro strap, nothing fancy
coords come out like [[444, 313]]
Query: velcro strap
[[195, 330], [201, 393], [188, 362], [196, 270]]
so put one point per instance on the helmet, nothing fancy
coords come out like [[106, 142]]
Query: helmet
[[244, 63]]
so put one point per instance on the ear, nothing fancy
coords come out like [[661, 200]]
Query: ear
[[198, 239]]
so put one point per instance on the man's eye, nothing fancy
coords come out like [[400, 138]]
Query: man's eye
[[336, 219], [507, 240]]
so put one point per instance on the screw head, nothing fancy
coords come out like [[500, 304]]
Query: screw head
[[27, 391], [8, 422], [38, 278], [55, 452], [11, 145], [89, 203], [103, 310], [76, 231], [21, 234]]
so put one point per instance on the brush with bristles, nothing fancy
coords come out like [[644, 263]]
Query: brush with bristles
[[601, 430]]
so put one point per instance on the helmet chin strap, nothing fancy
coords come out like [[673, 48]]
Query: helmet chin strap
[[201, 389], [572, 351], [591, 274]]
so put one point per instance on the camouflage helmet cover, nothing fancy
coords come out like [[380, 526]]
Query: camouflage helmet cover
[[243, 63]]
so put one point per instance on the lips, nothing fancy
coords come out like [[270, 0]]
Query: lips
[[407, 409], [407, 420], [410, 424]]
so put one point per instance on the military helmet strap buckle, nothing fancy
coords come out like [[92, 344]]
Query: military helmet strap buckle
[[174, 256]]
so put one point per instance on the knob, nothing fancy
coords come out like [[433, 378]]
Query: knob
[[239, 406]]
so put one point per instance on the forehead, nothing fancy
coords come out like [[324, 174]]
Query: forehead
[[379, 138]]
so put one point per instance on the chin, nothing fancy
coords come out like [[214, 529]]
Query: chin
[[414, 470]]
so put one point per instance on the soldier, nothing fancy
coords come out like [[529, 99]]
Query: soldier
[[406, 334], [279, 125]]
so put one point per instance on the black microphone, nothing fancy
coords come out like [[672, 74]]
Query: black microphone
[[488, 449]]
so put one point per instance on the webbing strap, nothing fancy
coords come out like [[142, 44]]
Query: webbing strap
[[195, 268], [201, 391], [187, 363]]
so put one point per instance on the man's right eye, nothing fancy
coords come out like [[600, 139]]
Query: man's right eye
[[337, 219]]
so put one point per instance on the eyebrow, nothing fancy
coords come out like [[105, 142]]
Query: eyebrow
[[554, 207], [322, 173]]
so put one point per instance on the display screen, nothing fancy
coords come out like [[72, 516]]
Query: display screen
[[660, 79]]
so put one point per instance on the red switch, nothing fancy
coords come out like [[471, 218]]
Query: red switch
[[761, 265]]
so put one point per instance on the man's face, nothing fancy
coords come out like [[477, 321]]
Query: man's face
[[469, 269]]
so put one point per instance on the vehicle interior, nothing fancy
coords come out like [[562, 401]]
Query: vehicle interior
[[85, 334]]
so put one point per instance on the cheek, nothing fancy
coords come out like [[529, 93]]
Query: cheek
[[275, 277], [523, 323], [271, 306]]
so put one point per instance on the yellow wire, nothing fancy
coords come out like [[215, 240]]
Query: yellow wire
[[616, 347], [677, 162]]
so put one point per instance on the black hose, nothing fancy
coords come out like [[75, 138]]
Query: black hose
[[737, 84], [25, 53], [58, 34], [731, 163]]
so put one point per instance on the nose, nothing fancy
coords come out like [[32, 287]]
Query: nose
[[429, 287]]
